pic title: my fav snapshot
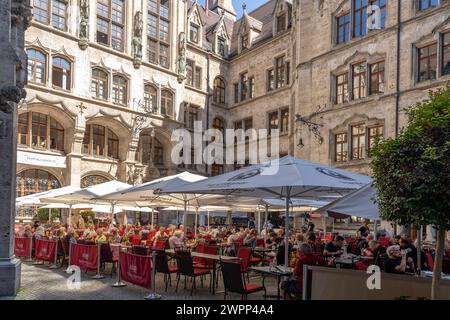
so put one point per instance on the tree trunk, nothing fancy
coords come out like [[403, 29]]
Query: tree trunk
[[440, 244]]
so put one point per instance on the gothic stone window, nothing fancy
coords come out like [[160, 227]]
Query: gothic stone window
[[93, 180], [219, 90], [61, 73], [167, 103], [56, 10], [427, 62], [446, 53], [150, 99], [34, 181], [119, 90], [343, 29], [99, 84], [111, 23], [38, 130], [37, 62], [158, 27], [100, 142], [340, 147]]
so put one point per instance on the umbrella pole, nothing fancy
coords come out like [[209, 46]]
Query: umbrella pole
[[153, 218], [207, 217], [185, 214], [258, 220], [112, 212], [196, 221], [419, 250], [50, 216], [286, 229], [70, 216], [375, 228]]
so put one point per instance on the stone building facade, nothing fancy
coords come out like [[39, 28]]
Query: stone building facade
[[109, 81]]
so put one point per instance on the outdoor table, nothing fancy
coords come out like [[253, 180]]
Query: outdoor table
[[278, 271], [264, 251], [348, 261], [214, 257]]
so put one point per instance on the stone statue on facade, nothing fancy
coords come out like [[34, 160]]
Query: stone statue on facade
[[84, 24], [136, 42], [181, 57]]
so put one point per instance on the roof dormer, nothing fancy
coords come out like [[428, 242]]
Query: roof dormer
[[221, 41], [249, 29], [282, 16], [195, 25]]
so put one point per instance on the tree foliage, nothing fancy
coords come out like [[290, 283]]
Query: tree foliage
[[412, 171]]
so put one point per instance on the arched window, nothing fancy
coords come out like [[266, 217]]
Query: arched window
[[99, 84], [119, 90], [34, 181], [167, 103], [150, 148], [219, 90], [100, 142], [150, 99], [93, 180], [36, 65], [38, 130], [158, 153], [218, 124], [61, 73]]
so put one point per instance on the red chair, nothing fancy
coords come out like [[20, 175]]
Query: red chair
[[359, 265], [186, 268], [160, 245], [383, 241], [244, 254], [162, 266], [429, 261], [234, 281], [208, 263], [260, 243], [200, 247]]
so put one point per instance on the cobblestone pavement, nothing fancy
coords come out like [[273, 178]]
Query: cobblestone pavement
[[41, 283]]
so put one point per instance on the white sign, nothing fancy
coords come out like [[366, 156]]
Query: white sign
[[39, 159]]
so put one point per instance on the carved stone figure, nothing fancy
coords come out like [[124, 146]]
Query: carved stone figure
[[10, 94], [84, 24], [136, 42], [181, 57]]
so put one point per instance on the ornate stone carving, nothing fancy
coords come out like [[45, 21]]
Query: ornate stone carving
[[84, 25], [134, 174], [181, 57], [10, 94], [21, 13], [136, 42]]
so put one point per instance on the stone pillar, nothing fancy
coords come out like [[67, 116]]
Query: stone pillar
[[15, 16]]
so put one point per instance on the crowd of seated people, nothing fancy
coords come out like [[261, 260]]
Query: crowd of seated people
[[308, 246]]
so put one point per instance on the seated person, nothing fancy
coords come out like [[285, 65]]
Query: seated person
[[100, 237], [115, 237], [175, 241], [397, 261], [405, 244], [250, 239], [306, 257], [334, 248], [371, 250]]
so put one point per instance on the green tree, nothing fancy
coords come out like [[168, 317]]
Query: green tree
[[43, 214], [412, 172]]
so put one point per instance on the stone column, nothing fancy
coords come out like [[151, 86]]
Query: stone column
[[14, 19]]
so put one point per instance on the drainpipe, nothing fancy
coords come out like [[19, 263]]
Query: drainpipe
[[397, 97], [208, 102]]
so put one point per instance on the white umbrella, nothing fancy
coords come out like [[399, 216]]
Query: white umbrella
[[87, 195], [359, 204], [287, 178], [147, 192], [37, 198]]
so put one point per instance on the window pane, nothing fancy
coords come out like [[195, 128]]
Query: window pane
[[40, 10], [446, 54], [59, 14]]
